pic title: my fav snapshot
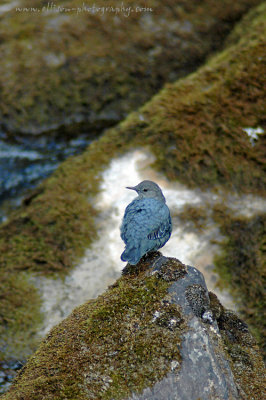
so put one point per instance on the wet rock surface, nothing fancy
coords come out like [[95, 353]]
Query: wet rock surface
[[25, 162], [172, 343], [8, 371]]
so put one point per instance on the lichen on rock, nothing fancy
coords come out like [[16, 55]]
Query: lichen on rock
[[143, 336]]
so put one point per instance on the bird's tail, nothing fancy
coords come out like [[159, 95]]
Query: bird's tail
[[132, 255]]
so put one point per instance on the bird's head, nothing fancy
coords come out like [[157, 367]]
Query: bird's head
[[148, 189]]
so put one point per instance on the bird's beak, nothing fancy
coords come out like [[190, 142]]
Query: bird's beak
[[131, 187]]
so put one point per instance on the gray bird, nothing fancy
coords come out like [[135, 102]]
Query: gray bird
[[146, 225]]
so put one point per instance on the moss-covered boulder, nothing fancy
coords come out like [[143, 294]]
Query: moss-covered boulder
[[156, 333], [68, 64], [194, 128]]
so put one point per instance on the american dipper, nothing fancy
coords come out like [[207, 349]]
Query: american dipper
[[146, 225]]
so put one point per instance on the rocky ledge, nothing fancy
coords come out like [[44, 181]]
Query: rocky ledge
[[157, 333]]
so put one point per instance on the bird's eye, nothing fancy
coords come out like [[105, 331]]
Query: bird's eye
[[145, 190]]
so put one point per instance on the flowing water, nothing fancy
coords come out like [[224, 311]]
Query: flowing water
[[26, 161]]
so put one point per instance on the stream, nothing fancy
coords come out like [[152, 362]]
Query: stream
[[26, 161]]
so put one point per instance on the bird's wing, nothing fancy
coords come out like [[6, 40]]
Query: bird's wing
[[146, 218], [161, 231]]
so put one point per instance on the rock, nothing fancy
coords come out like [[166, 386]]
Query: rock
[[151, 335], [86, 69], [8, 371]]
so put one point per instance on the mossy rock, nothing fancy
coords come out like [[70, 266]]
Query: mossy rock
[[194, 129], [89, 338], [84, 70], [139, 337]]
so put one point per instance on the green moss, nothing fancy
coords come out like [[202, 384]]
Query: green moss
[[242, 267], [108, 347], [47, 235], [194, 215], [19, 316], [195, 126], [57, 66]]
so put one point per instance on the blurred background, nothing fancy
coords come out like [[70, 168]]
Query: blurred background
[[98, 96]]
